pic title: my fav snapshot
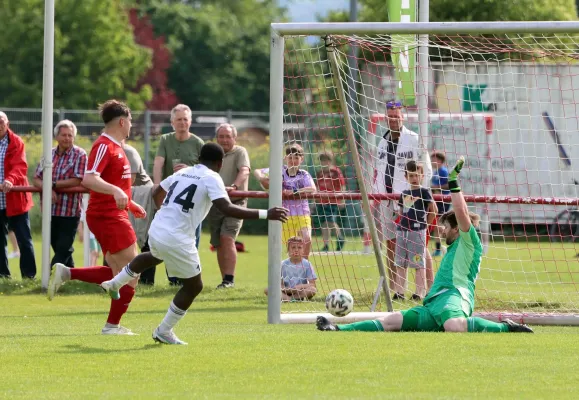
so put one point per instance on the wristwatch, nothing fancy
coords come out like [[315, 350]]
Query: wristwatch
[[234, 186], [53, 185]]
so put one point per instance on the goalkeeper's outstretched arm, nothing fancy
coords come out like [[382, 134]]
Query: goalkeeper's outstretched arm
[[458, 202]]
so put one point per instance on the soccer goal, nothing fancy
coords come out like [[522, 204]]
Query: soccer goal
[[503, 94]]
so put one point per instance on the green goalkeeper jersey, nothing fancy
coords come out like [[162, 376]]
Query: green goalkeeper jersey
[[459, 268]]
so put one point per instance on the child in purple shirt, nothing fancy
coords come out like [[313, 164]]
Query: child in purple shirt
[[296, 181]]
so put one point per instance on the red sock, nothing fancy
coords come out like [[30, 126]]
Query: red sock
[[119, 307], [91, 274]]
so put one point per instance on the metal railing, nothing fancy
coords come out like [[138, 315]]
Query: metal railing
[[147, 125]]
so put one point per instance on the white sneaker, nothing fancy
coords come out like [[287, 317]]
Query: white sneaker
[[56, 280], [118, 330], [167, 337], [109, 288]]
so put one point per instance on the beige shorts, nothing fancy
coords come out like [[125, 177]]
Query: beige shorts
[[180, 261], [386, 214], [221, 225]]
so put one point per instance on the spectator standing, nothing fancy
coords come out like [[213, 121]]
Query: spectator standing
[[14, 206], [398, 146], [69, 164], [224, 229], [295, 182], [177, 150], [417, 211], [142, 191], [330, 179], [439, 185]]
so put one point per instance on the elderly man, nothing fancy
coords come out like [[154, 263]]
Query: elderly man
[[224, 229], [398, 146], [14, 206], [177, 150], [69, 164]]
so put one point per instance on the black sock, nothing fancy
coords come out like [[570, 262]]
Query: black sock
[[228, 278], [437, 245]]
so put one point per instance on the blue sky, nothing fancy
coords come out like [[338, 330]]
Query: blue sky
[[306, 10]]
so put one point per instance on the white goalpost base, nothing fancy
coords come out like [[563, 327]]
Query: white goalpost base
[[484, 97]]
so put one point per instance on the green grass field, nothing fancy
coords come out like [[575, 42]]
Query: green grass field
[[55, 350]]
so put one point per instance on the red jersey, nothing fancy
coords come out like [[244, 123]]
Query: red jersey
[[108, 160], [330, 181]]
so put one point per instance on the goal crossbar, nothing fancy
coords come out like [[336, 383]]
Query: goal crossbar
[[362, 28]]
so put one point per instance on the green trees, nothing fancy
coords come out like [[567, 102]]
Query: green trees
[[95, 58], [220, 50]]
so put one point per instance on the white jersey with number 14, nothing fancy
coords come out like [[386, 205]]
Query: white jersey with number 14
[[190, 193]]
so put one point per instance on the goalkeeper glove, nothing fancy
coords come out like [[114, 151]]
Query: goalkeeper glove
[[453, 176]]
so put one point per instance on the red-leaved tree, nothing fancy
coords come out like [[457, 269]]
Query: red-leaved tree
[[163, 97]]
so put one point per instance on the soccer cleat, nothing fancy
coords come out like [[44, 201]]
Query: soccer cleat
[[341, 243], [514, 327], [416, 297], [225, 285], [108, 287], [398, 296], [437, 253], [325, 249], [324, 325], [167, 337], [118, 330], [56, 280]]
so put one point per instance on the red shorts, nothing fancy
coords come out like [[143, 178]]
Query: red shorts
[[113, 233]]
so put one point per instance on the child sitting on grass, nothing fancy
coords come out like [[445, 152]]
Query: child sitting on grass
[[298, 278]]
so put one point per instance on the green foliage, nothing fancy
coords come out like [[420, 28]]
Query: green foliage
[[220, 51], [485, 10], [95, 55]]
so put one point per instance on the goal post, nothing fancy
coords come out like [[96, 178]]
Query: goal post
[[483, 92]]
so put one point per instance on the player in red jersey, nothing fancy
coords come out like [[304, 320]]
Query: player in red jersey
[[108, 177]]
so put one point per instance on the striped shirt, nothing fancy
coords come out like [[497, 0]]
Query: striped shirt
[[3, 148], [70, 164]]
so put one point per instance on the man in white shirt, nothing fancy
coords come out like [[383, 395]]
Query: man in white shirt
[[398, 146], [188, 195]]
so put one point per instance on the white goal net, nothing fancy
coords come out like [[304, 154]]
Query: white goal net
[[507, 102]]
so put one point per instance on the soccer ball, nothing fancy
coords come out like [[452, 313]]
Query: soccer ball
[[339, 303]]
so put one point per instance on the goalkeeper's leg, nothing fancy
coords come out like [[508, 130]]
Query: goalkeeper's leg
[[392, 322], [474, 324]]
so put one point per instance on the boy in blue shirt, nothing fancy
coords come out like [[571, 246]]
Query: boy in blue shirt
[[439, 185], [298, 278]]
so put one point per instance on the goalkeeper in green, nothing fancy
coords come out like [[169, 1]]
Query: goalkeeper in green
[[449, 304]]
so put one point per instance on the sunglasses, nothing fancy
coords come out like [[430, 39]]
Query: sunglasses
[[393, 104]]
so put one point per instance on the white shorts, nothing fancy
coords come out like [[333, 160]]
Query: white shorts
[[180, 261], [387, 212]]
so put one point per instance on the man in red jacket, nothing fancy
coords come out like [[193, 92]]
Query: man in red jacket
[[14, 206]]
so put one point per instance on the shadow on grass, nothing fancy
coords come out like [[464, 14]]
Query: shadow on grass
[[160, 311], [82, 349]]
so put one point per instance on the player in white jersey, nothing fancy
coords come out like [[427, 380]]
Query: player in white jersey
[[188, 195]]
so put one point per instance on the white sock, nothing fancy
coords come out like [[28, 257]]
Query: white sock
[[173, 316], [124, 277]]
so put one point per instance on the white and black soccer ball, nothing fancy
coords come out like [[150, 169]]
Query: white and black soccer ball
[[339, 303]]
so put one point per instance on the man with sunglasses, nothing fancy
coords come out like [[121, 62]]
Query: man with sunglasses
[[398, 146]]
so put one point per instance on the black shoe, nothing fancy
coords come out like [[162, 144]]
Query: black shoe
[[341, 243], [225, 285], [325, 248], [416, 297], [324, 325], [398, 296], [514, 327]]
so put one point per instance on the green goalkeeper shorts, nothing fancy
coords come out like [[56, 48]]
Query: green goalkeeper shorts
[[432, 316]]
